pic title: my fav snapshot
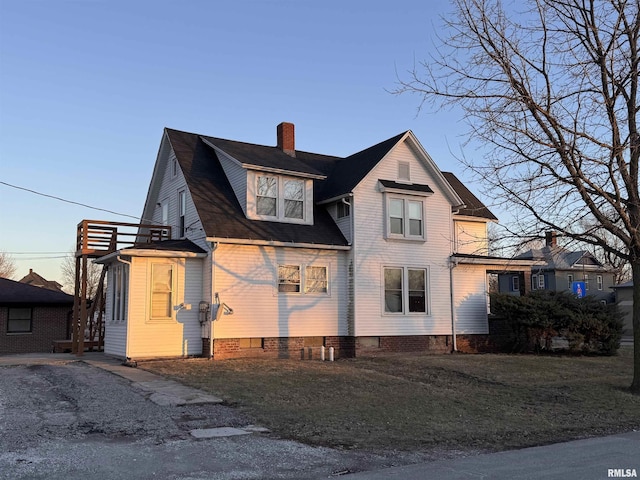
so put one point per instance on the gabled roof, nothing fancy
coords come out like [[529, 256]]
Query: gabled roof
[[222, 215], [218, 208], [32, 278], [558, 258], [16, 293], [473, 206], [348, 172]]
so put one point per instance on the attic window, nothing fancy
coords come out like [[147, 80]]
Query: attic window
[[404, 171], [267, 196], [280, 199]]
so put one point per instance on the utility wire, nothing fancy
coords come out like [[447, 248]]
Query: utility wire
[[67, 201]]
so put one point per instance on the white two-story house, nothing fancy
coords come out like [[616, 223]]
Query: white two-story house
[[276, 251]]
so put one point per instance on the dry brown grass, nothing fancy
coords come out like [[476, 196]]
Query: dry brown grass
[[415, 402]]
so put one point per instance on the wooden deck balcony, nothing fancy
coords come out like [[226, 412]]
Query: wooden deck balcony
[[96, 238]]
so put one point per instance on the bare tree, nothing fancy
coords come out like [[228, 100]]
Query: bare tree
[[7, 265], [551, 91], [68, 267]]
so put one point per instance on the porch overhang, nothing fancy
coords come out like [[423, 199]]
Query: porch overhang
[[490, 261]]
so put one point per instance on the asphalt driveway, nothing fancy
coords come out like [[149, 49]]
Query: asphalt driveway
[[65, 419]]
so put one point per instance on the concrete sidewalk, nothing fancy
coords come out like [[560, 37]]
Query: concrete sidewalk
[[616, 456]]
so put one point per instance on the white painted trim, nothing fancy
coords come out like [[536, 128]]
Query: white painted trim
[[274, 243]]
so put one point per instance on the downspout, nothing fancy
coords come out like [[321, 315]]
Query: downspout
[[452, 264], [352, 254], [214, 247], [126, 342]]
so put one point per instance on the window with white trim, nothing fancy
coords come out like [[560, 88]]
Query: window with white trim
[[541, 282], [20, 320], [586, 281], [315, 279], [515, 283], [165, 212], [599, 281], [405, 218], [267, 196], [281, 199], [294, 199], [119, 282], [162, 291], [182, 211], [289, 278], [570, 281], [308, 279], [405, 290], [343, 209]]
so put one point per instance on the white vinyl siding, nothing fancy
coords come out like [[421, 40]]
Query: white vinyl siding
[[178, 337], [252, 272], [372, 252], [471, 237], [470, 299], [237, 177], [168, 195]]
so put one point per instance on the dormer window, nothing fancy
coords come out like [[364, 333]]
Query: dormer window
[[294, 199], [267, 196], [279, 198]]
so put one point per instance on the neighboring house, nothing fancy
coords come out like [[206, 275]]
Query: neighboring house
[[37, 281], [32, 318], [290, 250], [561, 268], [624, 300]]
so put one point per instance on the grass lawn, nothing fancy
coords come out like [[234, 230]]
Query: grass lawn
[[420, 402]]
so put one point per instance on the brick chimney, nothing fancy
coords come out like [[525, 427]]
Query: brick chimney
[[550, 238], [287, 138]]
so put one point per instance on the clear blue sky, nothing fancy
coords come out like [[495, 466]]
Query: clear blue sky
[[87, 86]]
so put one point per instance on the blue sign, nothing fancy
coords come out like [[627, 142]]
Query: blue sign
[[579, 289]]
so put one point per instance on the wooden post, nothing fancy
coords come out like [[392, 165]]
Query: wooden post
[[83, 306], [75, 319]]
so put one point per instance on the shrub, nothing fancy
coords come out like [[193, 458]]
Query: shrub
[[538, 317]]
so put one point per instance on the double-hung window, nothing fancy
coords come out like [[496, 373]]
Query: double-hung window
[[267, 196], [20, 320], [405, 218], [599, 281], [515, 283], [161, 291], [570, 280], [280, 198], [294, 199], [315, 279], [308, 279], [405, 290]]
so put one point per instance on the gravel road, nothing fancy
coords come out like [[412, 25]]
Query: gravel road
[[74, 421]]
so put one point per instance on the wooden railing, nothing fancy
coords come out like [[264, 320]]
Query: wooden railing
[[96, 238]]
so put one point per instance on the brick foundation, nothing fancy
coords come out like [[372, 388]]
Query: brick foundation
[[305, 348]]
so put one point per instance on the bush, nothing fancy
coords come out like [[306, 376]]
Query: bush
[[540, 316]]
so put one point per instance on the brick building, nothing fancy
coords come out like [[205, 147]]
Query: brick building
[[32, 318]]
